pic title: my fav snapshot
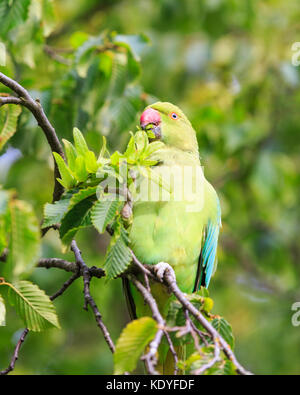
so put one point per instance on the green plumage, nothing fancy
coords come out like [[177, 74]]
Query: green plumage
[[173, 230]]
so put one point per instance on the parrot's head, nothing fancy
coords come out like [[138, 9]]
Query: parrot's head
[[166, 122]]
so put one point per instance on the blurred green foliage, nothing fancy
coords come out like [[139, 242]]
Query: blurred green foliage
[[228, 65]]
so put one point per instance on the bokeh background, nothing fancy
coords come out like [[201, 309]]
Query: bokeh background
[[228, 65]]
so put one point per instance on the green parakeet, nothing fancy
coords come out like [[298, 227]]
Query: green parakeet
[[178, 225]]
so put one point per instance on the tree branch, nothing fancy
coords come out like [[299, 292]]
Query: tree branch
[[49, 263], [87, 295], [171, 283], [150, 357], [15, 356], [37, 111]]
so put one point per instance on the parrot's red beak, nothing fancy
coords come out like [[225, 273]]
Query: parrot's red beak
[[150, 116]]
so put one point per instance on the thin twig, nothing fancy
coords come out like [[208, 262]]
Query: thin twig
[[192, 331], [171, 282], [66, 285], [10, 100], [53, 53], [88, 297], [150, 357], [141, 267], [15, 356], [172, 349], [49, 263], [212, 362]]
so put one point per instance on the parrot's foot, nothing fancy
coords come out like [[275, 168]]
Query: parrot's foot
[[160, 269]]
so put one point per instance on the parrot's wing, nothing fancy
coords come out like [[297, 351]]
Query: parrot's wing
[[207, 259]]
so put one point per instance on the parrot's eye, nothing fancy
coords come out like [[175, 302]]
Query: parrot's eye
[[173, 115]]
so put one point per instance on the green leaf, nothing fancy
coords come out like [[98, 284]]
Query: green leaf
[[80, 171], [90, 44], [48, 17], [153, 147], [12, 14], [78, 38], [118, 256], [2, 312], [71, 154], [118, 76], [76, 218], [225, 330], [24, 245], [141, 140], [53, 213], [67, 180], [91, 162], [81, 195], [116, 158], [122, 110], [104, 149], [84, 54], [130, 150], [9, 115], [32, 305], [80, 143], [103, 213], [134, 43], [132, 342]]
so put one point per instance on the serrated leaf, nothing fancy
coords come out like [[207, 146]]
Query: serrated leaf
[[24, 245], [103, 213], [53, 213], [199, 360], [9, 115], [2, 312], [118, 75], [33, 306], [81, 195], [132, 342], [118, 256], [225, 330], [76, 218]]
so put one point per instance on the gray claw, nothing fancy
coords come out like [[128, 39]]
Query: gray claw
[[160, 269]]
